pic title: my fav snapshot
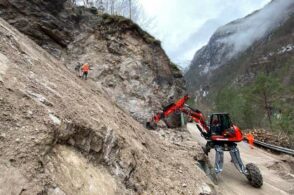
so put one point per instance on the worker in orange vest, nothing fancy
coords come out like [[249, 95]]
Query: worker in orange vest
[[85, 70], [250, 139]]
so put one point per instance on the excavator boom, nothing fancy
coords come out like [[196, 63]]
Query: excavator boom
[[230, 134], [180, 106]]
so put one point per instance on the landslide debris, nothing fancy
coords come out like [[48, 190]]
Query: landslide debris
[[61, 135], [275, 138], [128, 62]]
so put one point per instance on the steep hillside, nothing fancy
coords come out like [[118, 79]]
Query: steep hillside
[[127, 61], [231, 41], [255, 84], [60, 135]]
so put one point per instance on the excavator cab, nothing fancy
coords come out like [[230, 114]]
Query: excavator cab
[[219, 122]]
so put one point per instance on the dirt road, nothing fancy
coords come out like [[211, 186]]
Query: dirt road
[[277, 170]]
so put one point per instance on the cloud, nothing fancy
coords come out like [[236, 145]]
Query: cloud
[[254, 27], [185, 26], [187, 48]]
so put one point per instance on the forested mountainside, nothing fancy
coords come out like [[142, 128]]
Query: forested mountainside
[[255, 83]]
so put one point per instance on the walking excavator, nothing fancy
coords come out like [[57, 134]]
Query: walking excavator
[[221, 134]]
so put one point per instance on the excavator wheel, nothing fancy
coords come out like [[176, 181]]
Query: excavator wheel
[[254, 176]]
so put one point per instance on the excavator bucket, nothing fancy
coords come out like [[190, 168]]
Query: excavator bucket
[[151, 125]]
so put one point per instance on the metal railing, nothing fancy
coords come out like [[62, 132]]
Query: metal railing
[[275, 148]]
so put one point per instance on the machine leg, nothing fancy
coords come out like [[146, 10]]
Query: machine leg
[[235, 154], [219, 159], [207, 147]]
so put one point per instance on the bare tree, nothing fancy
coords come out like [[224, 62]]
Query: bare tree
[[73, 2], [86, 3], [128, 8]]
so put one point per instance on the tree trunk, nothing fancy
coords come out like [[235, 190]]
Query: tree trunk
[[112, 7], [130, 8], [267, 108]]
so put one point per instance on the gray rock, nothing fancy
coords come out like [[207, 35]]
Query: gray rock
[[127, 61]]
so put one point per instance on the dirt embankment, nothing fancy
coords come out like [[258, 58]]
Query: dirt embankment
[[62, 135], [128, 62]]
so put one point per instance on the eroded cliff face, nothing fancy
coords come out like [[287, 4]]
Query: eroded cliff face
[[129, 63], [138, 75], [61, 135]]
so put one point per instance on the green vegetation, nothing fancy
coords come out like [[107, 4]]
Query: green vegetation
[[174, 66], [93, 10], [118, 22], [177, 73], [265, 93], [114, 18], [127, 24], [262, 104]]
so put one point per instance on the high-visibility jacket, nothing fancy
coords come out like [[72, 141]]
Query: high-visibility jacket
[[250, 139], [85, 68]]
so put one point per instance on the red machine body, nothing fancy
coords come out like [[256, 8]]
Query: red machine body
[[225, 131], [221, 134]]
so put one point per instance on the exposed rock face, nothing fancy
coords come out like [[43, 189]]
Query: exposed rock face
[[39, 20], [61, 135], [228, 44], [124, 59], [138, 75]]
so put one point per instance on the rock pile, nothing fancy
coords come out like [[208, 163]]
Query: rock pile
[[278, 139], [60, 135], [128, 62]]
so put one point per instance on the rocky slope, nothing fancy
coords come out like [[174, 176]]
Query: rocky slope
[[244, 40], [127, 61], [60, 135]]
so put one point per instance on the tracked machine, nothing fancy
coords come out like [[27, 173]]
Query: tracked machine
[[221, 134]]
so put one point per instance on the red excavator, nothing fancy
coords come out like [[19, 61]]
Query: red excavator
[[221, 134]]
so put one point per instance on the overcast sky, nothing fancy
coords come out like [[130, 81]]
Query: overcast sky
[[184, 26]]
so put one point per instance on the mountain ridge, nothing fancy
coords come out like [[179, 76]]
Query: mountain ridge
[[255, 86], [218, 53]]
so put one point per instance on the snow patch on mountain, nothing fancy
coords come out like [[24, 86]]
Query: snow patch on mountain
[[286, 49], [243, 33]]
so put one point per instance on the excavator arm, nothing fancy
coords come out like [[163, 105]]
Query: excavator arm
[[170, 109], [180, 106], [152, 124], [198, 118]]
